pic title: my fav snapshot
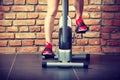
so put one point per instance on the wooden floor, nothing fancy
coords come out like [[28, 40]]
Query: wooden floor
[[28, 67]]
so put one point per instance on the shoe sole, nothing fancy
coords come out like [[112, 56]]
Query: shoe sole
[[49, 56], [82, 31]]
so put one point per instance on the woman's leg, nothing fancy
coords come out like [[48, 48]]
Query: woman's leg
[[79, 4], [49, 20], [80, 26], [49, 25]]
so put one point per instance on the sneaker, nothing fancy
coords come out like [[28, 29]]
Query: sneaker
[[80, 26], [48, 50]]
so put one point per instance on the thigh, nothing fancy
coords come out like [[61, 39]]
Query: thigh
[[52, 5]]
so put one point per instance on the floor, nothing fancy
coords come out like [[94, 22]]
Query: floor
[[28, 67]]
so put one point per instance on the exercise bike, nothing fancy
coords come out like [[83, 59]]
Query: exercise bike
[[64, 57]]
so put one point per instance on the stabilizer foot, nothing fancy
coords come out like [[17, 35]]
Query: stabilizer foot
[[64, 64]]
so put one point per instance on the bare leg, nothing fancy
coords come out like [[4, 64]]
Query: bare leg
[[78, 4], [49, 20], [80, 26]]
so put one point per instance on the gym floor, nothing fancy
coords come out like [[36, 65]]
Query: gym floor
[[28, 67]]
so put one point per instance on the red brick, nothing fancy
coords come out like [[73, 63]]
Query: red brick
[[94, 28], [94, 41], [92, 35], [117, 15], [86, 2], [40, 35], [1, 16], [115, 36], [7, 50], [107, 22], [71, 8], [55, 35], [8, 2], [95, 1], [26, 49], [103, 42], [105, 36], [41, 48], [111, 8], [60, 8], [6, 35], [6, 22], [108, 1], [22, 8], [108, 29], [82, 41], [12, 29], [40, 22], [85, 15], [71, 2], [24, 35], [111, 49], [56, 22], [71, 14], [56, 29], [24, 22], [78, 36], [41, 8], [14, 42], [1, 8], [93, 49], [31, 1], [107, 15], [77, 49], [4, 8], [73, 24], [42, 1], [43, 15], [116, 23], [33, 15], [9, 15], [55, 42], [113, 42], [2, 29], [19, 1], [3, 43], [117, 1], [92, 8], [95, 15], [34, 28], [39, 42], [111, 22], [24, 29], [92, 21], [21, 15], [27, 42]]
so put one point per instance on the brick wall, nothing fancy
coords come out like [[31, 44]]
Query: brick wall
[[22, 28], [110, 33]]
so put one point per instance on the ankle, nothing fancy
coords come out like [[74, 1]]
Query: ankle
[[79, 20], [48, 44]]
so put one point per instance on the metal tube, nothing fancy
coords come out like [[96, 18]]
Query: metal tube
[[81, 56], [66, 64], [65, 14], [75, 57]]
